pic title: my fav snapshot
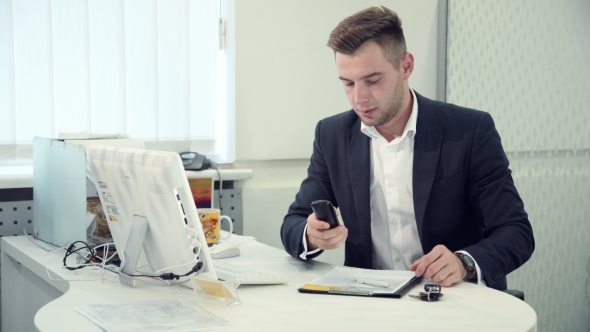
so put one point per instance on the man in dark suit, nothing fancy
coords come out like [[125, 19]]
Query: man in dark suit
[[420, 184]]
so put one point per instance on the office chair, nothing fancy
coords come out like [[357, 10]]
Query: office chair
[[516, 293]]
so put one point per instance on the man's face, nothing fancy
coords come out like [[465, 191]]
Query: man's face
[[374, 87]]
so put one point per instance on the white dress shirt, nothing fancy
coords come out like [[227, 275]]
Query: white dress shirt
[[396, 244]]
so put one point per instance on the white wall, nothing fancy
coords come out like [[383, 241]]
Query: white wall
[[267, 197], [285, 78]]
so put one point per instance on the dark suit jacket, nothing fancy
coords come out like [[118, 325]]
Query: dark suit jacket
[[464, 196]]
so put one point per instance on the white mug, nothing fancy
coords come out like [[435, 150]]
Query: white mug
[[211, 222]]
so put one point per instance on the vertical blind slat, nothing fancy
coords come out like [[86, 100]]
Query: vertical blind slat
[[203, 39], [70, 64], [173, 68], [33, 81], [141, 68], [107, 66], [7, 107]]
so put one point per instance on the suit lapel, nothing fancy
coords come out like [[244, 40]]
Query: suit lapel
[[359, 170], [427, 147]]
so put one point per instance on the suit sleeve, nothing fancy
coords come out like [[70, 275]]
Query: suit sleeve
[[507, 233], [316, 186]]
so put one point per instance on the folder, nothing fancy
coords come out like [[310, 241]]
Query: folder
[[363, 282]]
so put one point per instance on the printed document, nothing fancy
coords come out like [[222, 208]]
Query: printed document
[[355, 281]]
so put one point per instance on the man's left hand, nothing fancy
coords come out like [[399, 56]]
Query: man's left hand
[[441, 266]]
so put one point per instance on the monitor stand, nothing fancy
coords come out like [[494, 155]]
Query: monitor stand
[[132, 250], [213, 291]]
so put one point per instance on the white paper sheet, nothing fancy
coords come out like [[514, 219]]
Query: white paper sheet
[[162, 315]]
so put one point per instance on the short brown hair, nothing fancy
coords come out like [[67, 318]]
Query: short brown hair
[[380, 24]]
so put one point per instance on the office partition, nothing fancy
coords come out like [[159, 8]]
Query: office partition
[[526, 63]]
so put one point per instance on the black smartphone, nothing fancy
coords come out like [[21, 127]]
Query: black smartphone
[[325, 211]]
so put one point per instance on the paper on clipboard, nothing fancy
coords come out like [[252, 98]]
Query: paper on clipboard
[[342, 280]]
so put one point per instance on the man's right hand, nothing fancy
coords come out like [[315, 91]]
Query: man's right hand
[[319, 234]]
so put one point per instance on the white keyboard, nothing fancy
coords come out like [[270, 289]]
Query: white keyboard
[[243, 275]]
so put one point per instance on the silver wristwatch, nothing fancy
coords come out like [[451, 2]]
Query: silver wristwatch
[[468, 264]]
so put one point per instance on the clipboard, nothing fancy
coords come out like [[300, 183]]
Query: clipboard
[[342, 281]]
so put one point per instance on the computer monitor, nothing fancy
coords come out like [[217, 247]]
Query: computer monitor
[[149, 208]]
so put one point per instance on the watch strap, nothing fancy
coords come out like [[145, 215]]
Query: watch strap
[[468, 264]]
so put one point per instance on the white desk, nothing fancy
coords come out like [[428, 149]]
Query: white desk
[[27, 292]]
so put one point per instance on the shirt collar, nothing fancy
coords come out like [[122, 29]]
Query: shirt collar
[[410, 128]]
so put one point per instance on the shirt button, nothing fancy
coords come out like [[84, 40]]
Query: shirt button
[[394, 221], [390, 185], [398, 259]]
